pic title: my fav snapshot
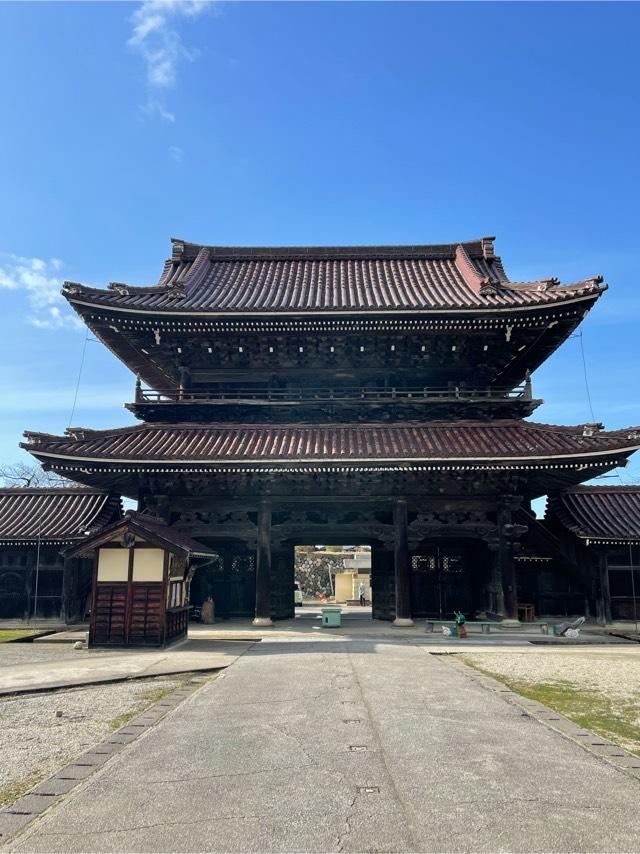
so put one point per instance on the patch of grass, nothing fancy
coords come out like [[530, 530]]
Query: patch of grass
[[7, 635], [146, 701], [10, 793], [616, 720]]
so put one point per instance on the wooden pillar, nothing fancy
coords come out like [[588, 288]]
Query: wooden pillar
[[68, 605], [401, 565], [508, 533], [509, 585], [263, 567], [496, 591], [603, 602]]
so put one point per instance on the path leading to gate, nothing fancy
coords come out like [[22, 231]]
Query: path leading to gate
[[369, 746]]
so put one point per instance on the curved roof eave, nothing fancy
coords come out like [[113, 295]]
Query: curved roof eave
[[593, 294]]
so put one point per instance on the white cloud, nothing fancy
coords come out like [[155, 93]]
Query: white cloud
[[38, 279], [175, 153], [157, 40], [156, 107]]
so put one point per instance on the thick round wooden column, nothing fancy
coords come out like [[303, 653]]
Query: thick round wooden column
[[402, 567], [509, 584], [508, 534], [263, 567], [603, 602]]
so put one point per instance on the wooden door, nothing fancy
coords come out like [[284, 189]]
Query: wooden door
[[440, 582]]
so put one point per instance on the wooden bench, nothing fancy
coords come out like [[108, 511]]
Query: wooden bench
[[485, 625]]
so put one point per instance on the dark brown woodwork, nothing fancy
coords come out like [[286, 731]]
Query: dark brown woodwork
[[301, 399], [603, 602], [263, 564], [401, 562]]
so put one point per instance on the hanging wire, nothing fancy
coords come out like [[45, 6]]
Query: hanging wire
[[75, 396], [617, 473], [586, 378]]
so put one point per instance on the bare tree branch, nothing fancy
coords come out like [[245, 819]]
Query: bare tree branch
[[22, 474]]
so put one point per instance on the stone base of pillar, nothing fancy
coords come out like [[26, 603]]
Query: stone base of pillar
[[509, 624], [262, 621], [402, 622]]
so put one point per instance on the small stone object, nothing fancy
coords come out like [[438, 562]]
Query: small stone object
[[78, 645]]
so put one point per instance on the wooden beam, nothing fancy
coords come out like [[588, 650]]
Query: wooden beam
[[401, 565], [263, 567]]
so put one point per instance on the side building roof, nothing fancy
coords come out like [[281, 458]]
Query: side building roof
[[54, 515], [604, 514]]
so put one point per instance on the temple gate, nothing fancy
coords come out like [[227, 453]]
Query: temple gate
[[341, 394]]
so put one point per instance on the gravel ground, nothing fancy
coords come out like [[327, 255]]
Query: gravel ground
[[617, 676], [34, 742]]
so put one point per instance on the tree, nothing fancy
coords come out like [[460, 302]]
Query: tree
[[23, 474]]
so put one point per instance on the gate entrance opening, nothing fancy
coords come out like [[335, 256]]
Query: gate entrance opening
[[336, 574]]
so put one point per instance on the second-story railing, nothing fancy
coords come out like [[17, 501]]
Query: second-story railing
[[324, 394]]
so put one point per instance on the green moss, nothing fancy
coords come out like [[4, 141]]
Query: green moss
[[7, 635], [616, 720], [146, 700], [9, 794]]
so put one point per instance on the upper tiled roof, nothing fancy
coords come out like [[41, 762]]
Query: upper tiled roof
[[436, 440], [598, 512], [228, 280], [53, 515]]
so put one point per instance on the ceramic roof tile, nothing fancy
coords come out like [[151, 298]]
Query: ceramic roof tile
[[598, 512], [53, 514], [460, 440], [306, 279]]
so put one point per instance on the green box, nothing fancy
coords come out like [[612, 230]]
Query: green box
[[332, 617]]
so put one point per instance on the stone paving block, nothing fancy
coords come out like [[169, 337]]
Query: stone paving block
[[31, 804], [93, 759], [75, 772], [108, 748], [564, 725], [122, 738], [627, 761], [55, 786]]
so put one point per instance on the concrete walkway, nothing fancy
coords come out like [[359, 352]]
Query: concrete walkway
[[370, 746], [69, 668]]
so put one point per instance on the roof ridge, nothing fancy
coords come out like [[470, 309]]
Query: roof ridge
[[478, 246], [401, 425]]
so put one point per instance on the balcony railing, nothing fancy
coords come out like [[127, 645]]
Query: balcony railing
[[426, 394]]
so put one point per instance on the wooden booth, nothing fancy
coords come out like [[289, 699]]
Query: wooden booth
[[141, 576]]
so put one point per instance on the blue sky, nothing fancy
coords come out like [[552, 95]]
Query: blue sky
[[304, 123]]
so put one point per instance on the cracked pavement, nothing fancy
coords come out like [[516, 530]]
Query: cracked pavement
[[261, 760]]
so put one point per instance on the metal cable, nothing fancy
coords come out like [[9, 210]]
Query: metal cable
[[75, 396]]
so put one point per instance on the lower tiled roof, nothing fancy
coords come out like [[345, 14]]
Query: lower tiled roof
[[53, 515], [437, 440], [609, 513]]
